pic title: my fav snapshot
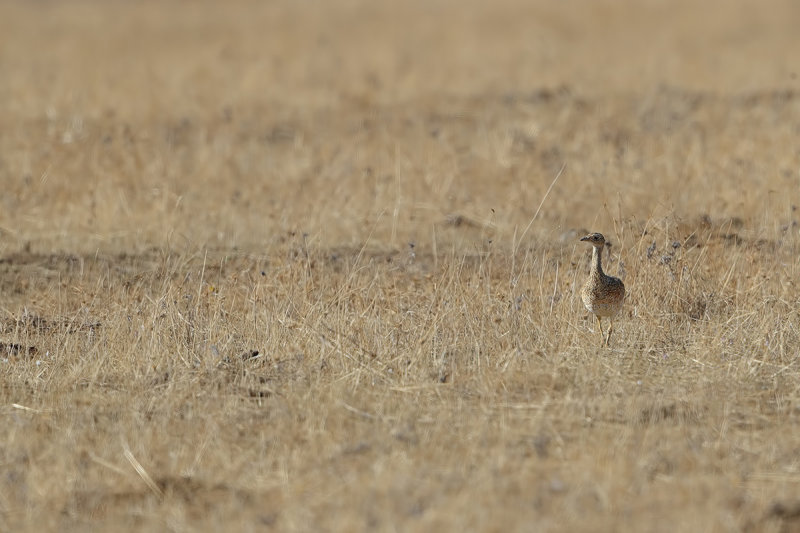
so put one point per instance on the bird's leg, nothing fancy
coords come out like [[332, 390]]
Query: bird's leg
[[610, 329], [602, 335]]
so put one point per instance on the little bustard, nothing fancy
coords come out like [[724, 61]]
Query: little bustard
[[602, 294]]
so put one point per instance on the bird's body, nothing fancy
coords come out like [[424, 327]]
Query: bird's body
[[602, 294]]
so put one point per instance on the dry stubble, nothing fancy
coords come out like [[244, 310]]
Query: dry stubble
[[256, 180]]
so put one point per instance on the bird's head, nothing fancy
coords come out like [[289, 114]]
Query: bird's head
[[595, 239]]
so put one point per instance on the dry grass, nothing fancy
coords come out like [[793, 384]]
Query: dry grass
[[280, 267]]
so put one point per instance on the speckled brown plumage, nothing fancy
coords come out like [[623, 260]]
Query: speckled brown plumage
[[602, 294]]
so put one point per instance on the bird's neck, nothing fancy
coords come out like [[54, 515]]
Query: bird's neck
[[597, 262]]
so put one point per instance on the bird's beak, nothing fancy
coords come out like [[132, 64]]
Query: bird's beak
[[585, 238]]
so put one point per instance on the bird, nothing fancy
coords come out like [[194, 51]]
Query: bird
[[602, 294]]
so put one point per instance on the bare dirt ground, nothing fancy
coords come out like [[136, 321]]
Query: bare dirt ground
[[302, 266]]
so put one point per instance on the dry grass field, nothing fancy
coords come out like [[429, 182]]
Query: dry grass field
[[314, 266]]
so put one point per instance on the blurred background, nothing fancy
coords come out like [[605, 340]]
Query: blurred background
[[125, 123]]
